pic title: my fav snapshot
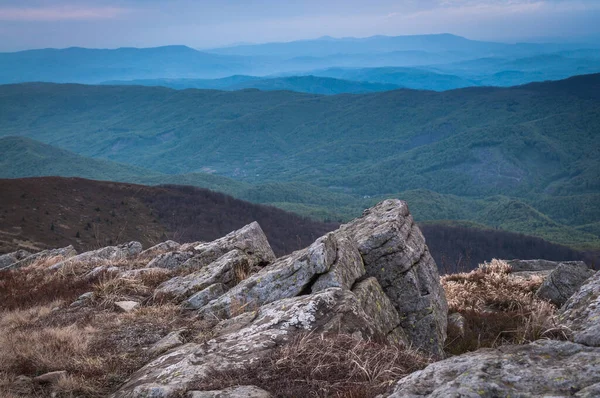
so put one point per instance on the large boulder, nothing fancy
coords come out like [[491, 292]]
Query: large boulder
[[581, 313], [544, 368], [291, 275], [563, 282], [243, 339], [384, 243], [372, 278], [393, 250]]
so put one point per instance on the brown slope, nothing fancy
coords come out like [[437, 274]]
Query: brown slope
[[37, 213]]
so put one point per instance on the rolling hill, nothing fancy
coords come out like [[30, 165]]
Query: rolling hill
[[538, 139], [301, 84], [36, 213]]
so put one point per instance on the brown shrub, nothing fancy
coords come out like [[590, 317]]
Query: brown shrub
[[324, 366], [499, 308], [28, 287]]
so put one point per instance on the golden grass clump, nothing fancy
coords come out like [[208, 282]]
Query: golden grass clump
[[324, 366], [498, 307]]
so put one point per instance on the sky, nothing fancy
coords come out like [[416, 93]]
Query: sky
[[203, 24]]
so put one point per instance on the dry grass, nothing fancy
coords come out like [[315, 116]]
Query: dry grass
[[324, 366], [99, 348], [499, 308]]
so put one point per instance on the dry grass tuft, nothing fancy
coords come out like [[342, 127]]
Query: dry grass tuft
[[499, 308], [324, 366], [40, 332], [112, 289]]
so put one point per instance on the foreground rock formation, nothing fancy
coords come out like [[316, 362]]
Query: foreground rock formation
[[373, 278], [372, 282], [545, 368]]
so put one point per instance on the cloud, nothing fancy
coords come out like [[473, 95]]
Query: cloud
[[65, 13]]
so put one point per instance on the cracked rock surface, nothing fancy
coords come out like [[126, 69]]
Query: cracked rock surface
[[544, 368], [371, 278]]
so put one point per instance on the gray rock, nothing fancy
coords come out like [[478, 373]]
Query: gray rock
[[544, 368], [168, 342], [228, 269], [250, 239], [251, 336], [161, 248], [538, 265], [83, 299], [171, 260], [394, 251], [65, 253], [142, 272], [232, 392], [109, 253], [457, 321], [564, 281], [127, 306], [380, 309], [12, 258], [205, 296], [285, 278], [346, 268], [581, 313], [51, 377]]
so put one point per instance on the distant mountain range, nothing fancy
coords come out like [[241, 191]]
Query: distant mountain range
[[522, 159], [433, 62], [301, 84]]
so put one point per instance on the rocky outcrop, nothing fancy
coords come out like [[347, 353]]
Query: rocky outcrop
[[545, 368], [252, 335], [393, 250], [287, 277], [257, 303], [564, 281], [384, 243], [581, 313], [62, 253], [109, 253], [226, 270]]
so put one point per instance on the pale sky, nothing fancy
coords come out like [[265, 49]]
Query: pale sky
[[27, 24]]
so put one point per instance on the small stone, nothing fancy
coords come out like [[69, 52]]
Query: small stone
[[51, 377], [232, 392], [127, 306]]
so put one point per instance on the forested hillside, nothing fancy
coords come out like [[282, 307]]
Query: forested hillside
[[37, 213], [514, 158]]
